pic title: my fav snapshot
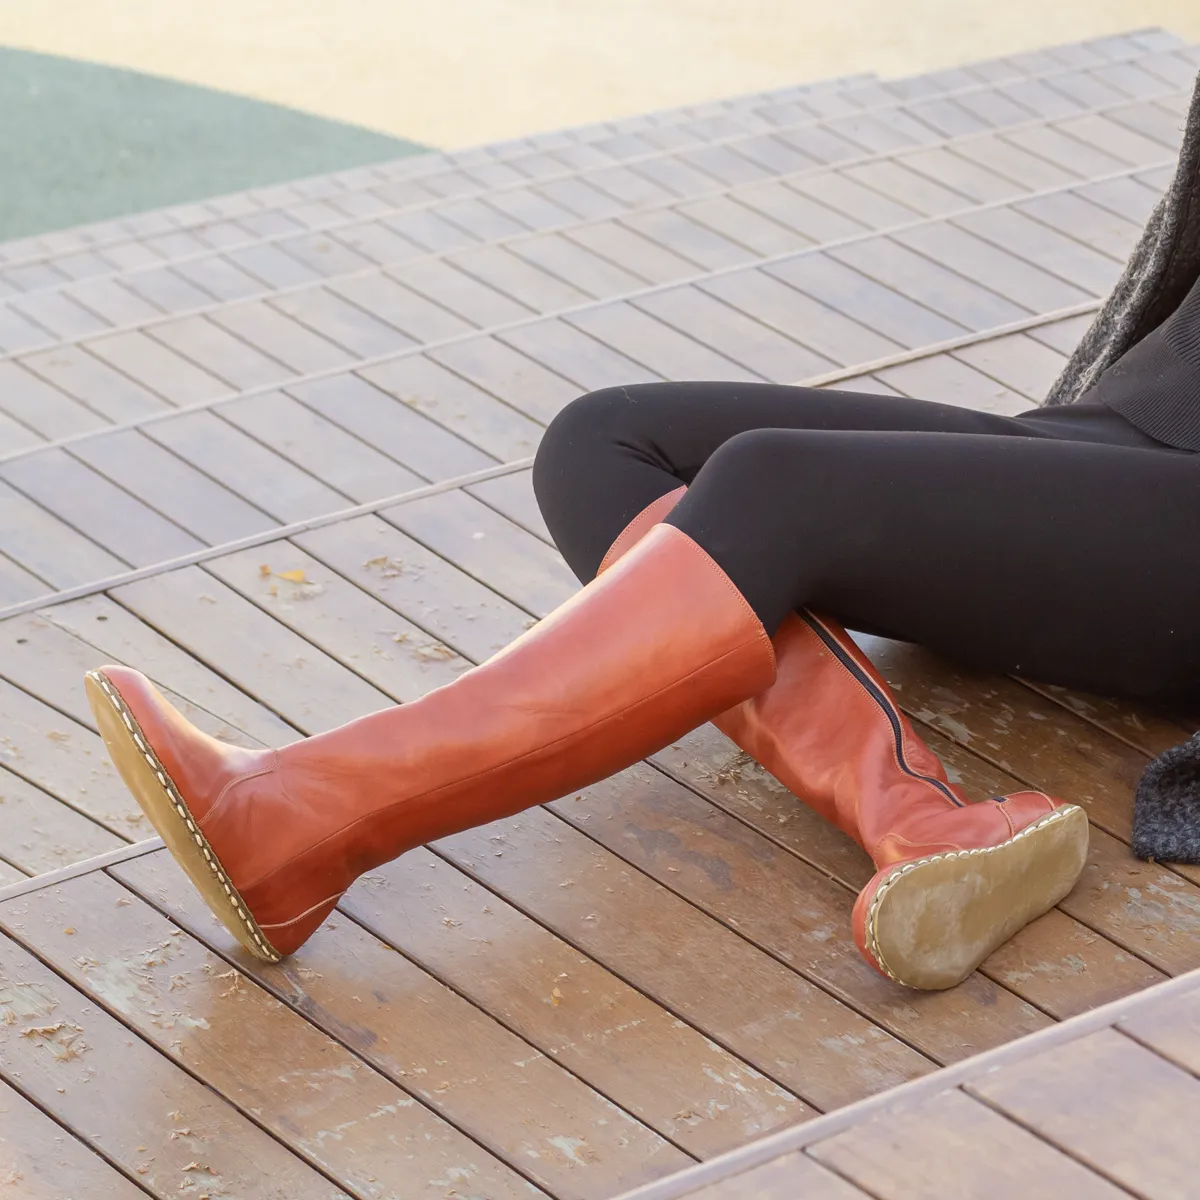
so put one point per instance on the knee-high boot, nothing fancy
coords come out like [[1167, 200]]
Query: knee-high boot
[[272, 838], [955, 879]]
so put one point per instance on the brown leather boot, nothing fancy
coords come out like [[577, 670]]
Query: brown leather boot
[[273, 838], [956, 879]]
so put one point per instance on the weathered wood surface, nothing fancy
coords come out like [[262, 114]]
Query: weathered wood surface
[[1101, 1107], [542, 1006]]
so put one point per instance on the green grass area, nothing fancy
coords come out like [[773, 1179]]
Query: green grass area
[[81, 142]]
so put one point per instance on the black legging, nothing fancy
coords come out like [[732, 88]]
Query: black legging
[[1062, 543]]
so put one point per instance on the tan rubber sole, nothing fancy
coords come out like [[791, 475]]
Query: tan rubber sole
[[161, 801], [931, 922]]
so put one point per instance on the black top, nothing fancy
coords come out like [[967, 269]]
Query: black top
[[1155, 385]]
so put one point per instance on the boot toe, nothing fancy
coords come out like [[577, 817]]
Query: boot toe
[[121, 700]]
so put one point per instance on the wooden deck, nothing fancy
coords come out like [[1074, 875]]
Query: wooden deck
[[1100, 1107], [274, 451]]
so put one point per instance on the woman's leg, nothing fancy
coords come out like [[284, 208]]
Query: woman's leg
[[1070, 562], [611, 453], [607, 455], [963, 542]]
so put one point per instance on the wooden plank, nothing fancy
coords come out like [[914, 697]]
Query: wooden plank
[[376, 241], [72, 370], [1017, 361], [695, 242], [198, 691], [57, 312], [991, 264], [527, 207], [394, 428], [262, 1056], [301, 683], [165, 373], [742, 339], [588, 272], [42, 834], [962, 175], [42, 1159], [839, 191], [1064, 335], [921, 280], [1051, 142], [1143, 908], [346, 325], [725, 215], [1072, 214], [44, 409], [1130, 197], [168, 291], [855, 295], [323, 254], [48, 547], [485, 223], [513, 496], [533, 287], [420, 320], [1170, 1027], [918, 192], [631, 252], [438, 280], [783, 1178], [427, 590], [648, 341], [515, 1101], [245, 466], [487, 546], [676, 176], [99, 509], [17, 584], [370, 639], [67, 760], [1065, 256], [218, 276], [203, 507], [795, 911], [153, 1121], [662, 1071], [1138, 1133], [1097, 130], [278, 337], [949, 381], [266, 261], [572, 354], [458, 406], [318, 446], [816, 222], [671, 951], [829, 333], [205, 343], [15, 436], [430, 231], [511, 376], [937, 1149]]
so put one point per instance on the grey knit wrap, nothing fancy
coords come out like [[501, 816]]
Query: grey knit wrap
[[1159, 274]]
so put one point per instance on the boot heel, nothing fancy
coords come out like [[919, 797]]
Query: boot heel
[[930, 922], [160, 800]]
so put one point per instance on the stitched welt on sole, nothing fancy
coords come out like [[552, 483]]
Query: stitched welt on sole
[[932, 921], [161, 801]]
